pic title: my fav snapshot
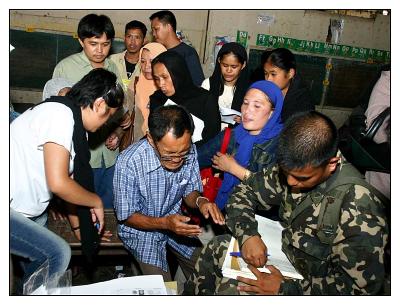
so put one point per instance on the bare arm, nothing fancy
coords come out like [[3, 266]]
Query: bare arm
[[56, 161]]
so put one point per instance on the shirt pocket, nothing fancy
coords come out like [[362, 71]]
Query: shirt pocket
[[309, 256]]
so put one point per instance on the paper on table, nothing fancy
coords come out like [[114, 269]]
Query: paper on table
[[198, 124], [134, 285], [228, 114], [271, 234]]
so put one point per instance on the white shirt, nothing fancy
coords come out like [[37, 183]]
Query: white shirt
[[224, 100], [48, 122]]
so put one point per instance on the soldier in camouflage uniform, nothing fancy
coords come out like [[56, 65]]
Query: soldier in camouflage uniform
[[309, 164]]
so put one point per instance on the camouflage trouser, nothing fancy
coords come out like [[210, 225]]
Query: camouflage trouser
[[207, 278]]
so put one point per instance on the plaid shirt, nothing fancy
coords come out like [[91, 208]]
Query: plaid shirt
[[142, 185]]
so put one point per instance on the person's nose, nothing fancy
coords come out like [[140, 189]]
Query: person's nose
[[291, 181], [148, 66], [269, 77]]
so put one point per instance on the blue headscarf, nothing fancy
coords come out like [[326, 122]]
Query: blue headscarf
[[246, 141]]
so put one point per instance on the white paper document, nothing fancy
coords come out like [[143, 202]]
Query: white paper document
[[198, 124], [271, 234], [228, 115], [134, 285]]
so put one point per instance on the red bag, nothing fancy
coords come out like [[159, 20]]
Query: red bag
[[211, 181]]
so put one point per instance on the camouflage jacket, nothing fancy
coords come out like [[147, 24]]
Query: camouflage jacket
[[353, 264]]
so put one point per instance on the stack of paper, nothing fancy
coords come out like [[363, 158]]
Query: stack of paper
[[228, 115], [271, 234]]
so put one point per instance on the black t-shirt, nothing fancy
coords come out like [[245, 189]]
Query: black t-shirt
[[129, 68]]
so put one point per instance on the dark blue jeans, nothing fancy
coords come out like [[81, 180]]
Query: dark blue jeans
[[37, 244]]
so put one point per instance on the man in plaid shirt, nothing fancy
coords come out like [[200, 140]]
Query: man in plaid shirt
[[151, 178]]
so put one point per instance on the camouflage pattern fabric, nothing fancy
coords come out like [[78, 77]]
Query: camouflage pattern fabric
[[207, 278], [352, 265]]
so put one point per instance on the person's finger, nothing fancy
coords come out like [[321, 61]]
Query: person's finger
[[215, 215], [107, 233], [248, 288], [255, 271], [246, 280], [273, 269], [206, 213], [94, 217]]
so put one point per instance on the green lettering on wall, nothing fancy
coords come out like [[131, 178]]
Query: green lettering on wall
[[323, 48]]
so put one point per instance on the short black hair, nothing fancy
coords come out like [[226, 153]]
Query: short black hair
[[165, 17], [173, 118], [97, 83], [93, 25], [136, 24], [307, 139]]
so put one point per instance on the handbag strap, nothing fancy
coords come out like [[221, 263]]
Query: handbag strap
[[225, 141], [376, 123]]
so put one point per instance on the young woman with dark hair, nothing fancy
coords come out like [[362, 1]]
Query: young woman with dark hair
[[280, 68], [230, 79]]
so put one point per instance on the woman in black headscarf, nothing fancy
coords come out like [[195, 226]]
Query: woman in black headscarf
[[230, 80], [175, 84]]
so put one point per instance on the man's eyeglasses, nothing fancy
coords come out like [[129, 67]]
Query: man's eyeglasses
[[173, 158]]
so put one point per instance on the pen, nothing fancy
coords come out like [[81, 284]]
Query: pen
[[238, 254]]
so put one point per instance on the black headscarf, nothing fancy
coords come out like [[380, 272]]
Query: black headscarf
[[242, 83], [197, 101]]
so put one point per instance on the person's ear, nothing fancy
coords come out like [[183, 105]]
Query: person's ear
[[169, 27], [292, 73], [80, 42], [100, 106], [149, 138], [332, 164], [244, 65]]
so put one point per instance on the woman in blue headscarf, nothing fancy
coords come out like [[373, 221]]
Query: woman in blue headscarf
[[252, 143]]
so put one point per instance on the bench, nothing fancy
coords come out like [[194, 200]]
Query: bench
[[113, 247]]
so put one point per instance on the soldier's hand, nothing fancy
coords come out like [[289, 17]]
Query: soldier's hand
[[265, 284], [254, 251], [179, 224]]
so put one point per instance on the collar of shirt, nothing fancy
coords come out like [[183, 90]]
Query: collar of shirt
[[85, 61]]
